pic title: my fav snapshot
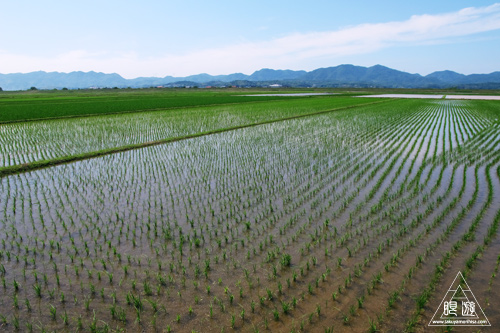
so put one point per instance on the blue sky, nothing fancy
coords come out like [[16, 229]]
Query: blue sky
[[179, 38]]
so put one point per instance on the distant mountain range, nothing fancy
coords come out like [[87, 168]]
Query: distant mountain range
[[338, 76]]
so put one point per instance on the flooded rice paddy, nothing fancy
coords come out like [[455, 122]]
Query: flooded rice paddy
[[292, 94], [353, 220], [470, 97]]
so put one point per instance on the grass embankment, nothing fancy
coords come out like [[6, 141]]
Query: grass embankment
[[9, 170]]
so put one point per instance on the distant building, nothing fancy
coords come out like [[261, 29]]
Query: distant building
[[275, 85]]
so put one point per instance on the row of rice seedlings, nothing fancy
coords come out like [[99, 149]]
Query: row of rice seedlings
[[478, 218], [398, 251], [397, 256], [491, 233], [420, 257], [392, 259], [440, 268]]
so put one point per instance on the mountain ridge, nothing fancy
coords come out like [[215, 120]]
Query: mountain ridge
[[345, 75]]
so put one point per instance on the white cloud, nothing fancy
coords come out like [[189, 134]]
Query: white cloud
[[286, 52]]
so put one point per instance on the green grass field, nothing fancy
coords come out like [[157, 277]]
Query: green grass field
[[55, 104]]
